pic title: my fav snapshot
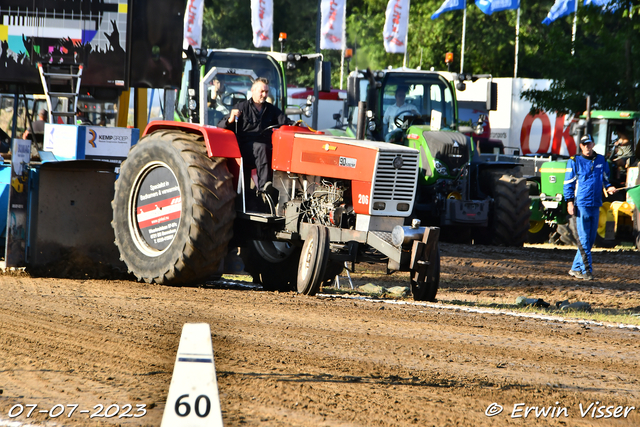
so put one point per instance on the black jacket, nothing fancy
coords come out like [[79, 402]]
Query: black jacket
[[252, 122]]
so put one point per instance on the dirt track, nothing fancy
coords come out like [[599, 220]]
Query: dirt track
[[289, 360]]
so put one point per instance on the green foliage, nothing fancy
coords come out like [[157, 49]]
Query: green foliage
[[603, 63]]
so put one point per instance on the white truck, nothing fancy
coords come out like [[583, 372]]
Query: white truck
[[520, 132]]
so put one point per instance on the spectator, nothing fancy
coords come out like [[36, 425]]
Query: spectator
[[82, 118], [36, 131], [217, 91], [585, 176], [622, 155]]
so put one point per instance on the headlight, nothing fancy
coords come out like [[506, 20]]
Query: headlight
[[440, 168], [372, 125]]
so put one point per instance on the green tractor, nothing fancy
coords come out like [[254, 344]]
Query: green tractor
[[618, 216], [471, 199]]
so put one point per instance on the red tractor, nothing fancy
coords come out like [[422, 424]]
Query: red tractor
[[180, 200]]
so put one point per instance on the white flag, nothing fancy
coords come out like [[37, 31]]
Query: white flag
[[262, 22], [193, 23], [395, 26], [332, 28]]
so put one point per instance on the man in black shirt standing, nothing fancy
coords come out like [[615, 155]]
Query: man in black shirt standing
[[249, 119]]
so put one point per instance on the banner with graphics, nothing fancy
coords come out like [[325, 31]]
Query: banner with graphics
[[69, 142], [513, 124], [193, 23], [262, 22], [396, 26], [108, 144], [16, 242], [332, 28], [91, 32]]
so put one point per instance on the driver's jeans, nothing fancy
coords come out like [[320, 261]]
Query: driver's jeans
[[257, 155]]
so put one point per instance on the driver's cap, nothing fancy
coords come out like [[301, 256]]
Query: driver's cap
[[586, 139]]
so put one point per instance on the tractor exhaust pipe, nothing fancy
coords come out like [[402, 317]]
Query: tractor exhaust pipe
[[362, 117]]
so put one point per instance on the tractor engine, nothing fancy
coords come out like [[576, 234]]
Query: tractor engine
[[325, 204]]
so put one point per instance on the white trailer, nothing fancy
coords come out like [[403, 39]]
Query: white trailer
[[512, 123]]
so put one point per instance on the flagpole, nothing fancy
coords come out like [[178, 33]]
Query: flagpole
[[515, 67], [344, 42], [406, 38], [464, 33], [573, 31]]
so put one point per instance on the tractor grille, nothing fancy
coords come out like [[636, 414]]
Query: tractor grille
[[394, 184]]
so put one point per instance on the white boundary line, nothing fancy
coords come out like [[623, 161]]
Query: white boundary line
[[489, 311]]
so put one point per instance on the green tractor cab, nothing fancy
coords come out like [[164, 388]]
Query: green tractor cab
[[470, 198]]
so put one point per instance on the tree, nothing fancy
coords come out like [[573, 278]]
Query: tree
[[603, 63]]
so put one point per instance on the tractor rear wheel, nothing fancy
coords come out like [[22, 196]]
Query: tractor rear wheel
[[566, 235], [173, 209], [509, 217], [272, 264]]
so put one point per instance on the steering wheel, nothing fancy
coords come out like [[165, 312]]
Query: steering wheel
[[399, 121], [277, 125], [229, 99]]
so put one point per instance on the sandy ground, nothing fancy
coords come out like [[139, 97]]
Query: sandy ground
[[288, 360]]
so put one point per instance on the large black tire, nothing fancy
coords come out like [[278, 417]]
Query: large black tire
[[313, 260], [509, 217], [272, 264], [565, 235], [427, 290], [568, 236], [173, 209]]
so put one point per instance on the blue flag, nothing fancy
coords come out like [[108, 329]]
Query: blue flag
[[559, 9], [606, 5], [490, 6], [449, 5]]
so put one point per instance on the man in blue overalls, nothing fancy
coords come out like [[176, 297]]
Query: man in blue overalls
[[586, 175]]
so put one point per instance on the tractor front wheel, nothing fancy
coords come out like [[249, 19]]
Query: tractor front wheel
[[313, 260], [427, 290]]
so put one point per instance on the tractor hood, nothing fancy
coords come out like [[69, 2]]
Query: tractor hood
[[383, 175]]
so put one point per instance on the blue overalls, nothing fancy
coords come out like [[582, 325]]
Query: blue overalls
[[584, 180]]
